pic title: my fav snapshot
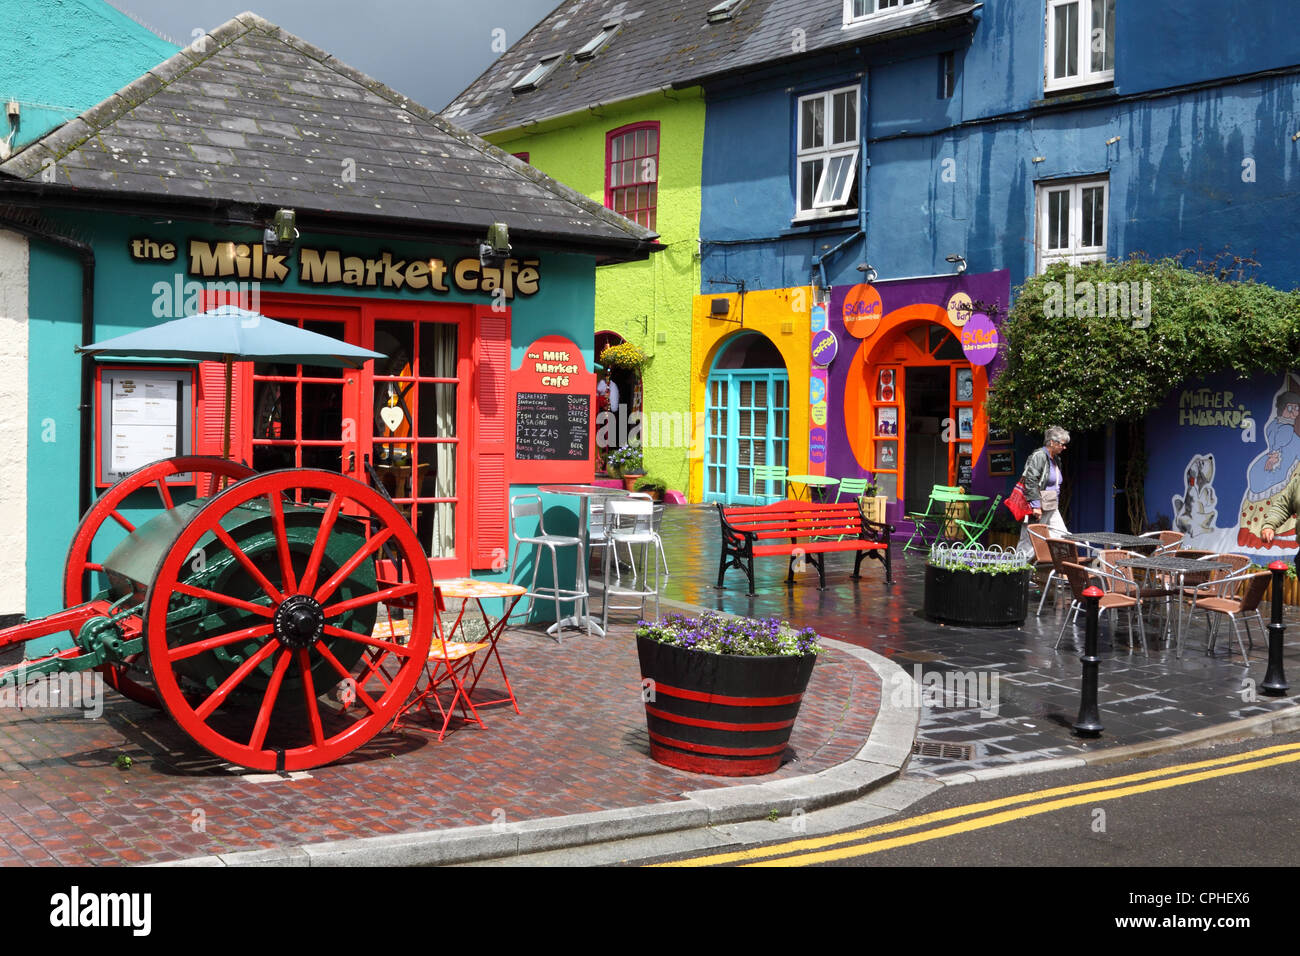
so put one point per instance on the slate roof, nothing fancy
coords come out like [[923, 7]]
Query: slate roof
[[262, 119], [666, 43]]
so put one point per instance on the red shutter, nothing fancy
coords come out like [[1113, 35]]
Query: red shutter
[[489, 486], [210, 416]]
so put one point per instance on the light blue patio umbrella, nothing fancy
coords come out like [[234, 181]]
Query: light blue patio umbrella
[[229, 334]]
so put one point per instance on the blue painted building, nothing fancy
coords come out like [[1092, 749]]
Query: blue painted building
[[844, 137]]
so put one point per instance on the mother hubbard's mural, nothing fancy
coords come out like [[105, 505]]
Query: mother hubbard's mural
[[1224, 441]]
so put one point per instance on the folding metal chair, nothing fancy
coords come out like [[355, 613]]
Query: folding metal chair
[[766, 473], [853, 487], [449, 661], [973, 530], [934, 513]]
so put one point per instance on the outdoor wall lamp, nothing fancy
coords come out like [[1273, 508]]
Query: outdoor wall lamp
[[282, 231], [958, 261], [494, 250], [868, 272]]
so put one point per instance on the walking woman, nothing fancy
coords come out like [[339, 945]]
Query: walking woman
[[1042, 480]]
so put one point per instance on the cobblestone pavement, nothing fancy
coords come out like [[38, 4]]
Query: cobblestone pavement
[[579, 745], [1143, 696]]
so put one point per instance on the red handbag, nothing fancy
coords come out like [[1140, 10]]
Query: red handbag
[[1017, 503]]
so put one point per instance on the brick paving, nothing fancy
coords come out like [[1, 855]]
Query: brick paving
[[580, 745]]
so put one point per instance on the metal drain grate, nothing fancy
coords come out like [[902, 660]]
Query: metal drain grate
[[943, 751]]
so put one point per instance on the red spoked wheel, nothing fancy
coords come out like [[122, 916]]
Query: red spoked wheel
[[208, 472], [287, 601]]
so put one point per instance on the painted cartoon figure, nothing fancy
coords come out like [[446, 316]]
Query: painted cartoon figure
[[1272, 470], [1196, 509]]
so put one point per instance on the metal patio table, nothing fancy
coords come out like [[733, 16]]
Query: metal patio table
[[1110, 539], [818, 485], [1180, 568]]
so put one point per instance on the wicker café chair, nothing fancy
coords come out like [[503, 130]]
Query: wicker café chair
[[1113, 597], [1038, 535], [1223, 598], [1169, 540]]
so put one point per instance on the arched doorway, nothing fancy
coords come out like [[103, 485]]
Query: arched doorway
[[748, 421], [915, 411]]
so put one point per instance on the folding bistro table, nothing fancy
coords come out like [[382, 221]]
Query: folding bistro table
[[468, 589]]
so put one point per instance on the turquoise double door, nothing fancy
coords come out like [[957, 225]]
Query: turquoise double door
[[748, 425]]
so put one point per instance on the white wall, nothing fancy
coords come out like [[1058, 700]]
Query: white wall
[[13, 423]]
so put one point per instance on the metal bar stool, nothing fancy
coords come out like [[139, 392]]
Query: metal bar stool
[[530, 506], [630, 521]]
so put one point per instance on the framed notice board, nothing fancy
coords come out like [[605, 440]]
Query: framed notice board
[[553, 396], [144, 414], [1002, 461]]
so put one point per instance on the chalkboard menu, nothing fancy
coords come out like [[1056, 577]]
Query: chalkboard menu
[[965, 473], [552, 426]]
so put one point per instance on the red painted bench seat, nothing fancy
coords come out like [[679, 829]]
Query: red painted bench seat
[[800, 529]]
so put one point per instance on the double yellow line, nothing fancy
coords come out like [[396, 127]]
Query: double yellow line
[[991, 813]]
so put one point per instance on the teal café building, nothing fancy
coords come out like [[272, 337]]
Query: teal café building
[[163, 200]]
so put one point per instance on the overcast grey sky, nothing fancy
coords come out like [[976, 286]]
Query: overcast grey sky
[[429, 50]]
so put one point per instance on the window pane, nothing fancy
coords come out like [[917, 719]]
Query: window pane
[[1058, 219], [1066, 29], [653, 143], [836, 181], [810, 172], [845, 128], [812, 122], [1103, 35], [1094, 217]]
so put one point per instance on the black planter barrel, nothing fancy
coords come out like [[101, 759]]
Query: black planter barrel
[[976, 599], [720, 713]]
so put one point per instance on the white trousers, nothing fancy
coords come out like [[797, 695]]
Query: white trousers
[[1055, 523]]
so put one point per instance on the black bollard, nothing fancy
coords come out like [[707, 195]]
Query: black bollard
[[1089, 722], [1275, 684]]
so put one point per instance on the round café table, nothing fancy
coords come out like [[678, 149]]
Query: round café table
[[583, 493], [1177, 567], [813, 484]]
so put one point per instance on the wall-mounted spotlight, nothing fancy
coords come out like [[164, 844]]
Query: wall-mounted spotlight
[[282, 231], [958, 261], [868, 271], [496, 249]]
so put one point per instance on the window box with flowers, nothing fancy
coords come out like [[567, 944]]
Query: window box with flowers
[[710, 683]]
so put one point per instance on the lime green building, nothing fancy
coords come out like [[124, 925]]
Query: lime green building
[[597, 97]]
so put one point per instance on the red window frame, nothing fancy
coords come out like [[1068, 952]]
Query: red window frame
[[632, 179], [482, 359]]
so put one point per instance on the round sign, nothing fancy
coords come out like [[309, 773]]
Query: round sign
[[959, 309], [979, 339], [824, 347], [817, 445], [818, 413], [862, 310]]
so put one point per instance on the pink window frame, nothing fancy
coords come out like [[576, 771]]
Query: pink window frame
[[610, 138]]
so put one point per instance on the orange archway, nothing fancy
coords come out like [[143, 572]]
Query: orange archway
[[919, 341]]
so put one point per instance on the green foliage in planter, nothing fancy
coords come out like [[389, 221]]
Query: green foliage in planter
[[651, 484], [1066, 367], [978, 561], [742, 636], [624, 460]]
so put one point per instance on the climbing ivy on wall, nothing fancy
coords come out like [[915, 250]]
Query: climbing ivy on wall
[[1106, 343], [1082, 355]]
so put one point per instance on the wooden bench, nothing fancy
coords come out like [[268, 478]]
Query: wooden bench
[[800, 529]]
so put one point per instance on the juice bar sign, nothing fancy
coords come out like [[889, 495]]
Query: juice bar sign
[[333, 267]]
